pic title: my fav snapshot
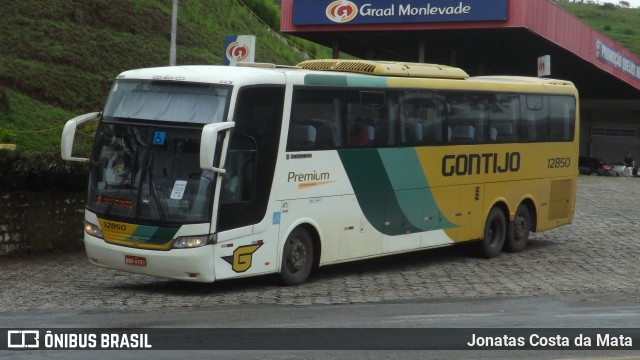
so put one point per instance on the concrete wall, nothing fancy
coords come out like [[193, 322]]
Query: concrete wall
[[41, 222]]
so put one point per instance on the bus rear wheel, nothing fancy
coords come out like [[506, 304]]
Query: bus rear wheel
[[297, 257], [519, 229], [495, 232]]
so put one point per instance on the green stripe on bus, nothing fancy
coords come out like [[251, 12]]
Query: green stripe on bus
[[403, 168], [325, 80], [392, 190], [367, 81], [411, 188], [344, 80], [153, 234]]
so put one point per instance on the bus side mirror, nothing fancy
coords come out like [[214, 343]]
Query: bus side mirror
[[69, 133], [208, 145]]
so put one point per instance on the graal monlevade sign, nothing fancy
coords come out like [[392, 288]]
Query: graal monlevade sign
[[327, 12]]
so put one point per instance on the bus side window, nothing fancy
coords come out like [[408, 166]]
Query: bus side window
[[502, 132], [325, 136], [467, 116], [504, 114], [562, 114], [316, 119], [421, 118], [534, 118], [387, 125], [463, 133], [304, 136]]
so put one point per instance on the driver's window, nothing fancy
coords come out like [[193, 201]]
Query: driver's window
[[236, 184], [230, 183]]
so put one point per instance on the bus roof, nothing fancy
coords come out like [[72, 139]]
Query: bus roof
[[407, 74], [206, 74], [521, 79]]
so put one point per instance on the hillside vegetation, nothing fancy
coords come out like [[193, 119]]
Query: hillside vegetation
[[60, 57], [616, 22]]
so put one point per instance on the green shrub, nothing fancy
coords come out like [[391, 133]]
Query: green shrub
[[4, 100], [40, 172], [7, 137]]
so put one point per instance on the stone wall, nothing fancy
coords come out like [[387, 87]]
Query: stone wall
[[32, 222]]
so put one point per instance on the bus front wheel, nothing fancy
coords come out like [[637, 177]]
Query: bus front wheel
[[297, 257], [495, 232], [519, 229]]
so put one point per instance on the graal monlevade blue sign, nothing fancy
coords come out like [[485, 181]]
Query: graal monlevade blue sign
[[327, 12]]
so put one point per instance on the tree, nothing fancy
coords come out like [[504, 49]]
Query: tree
[[608, 6]]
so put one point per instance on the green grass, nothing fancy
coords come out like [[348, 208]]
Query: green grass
[[35, 125], [59, 58], [618, 23]]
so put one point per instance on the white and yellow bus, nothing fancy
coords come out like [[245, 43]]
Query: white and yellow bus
[[203, 173]]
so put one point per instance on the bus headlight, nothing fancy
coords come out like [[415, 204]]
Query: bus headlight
[[93, 230], [187, 242]]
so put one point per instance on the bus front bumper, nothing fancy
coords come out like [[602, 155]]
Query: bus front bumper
[[195, 264]]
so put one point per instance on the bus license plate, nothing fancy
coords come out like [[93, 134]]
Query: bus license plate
[[135, 260]]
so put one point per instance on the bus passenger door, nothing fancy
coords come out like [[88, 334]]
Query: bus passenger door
[[248, 230], [251, 157]]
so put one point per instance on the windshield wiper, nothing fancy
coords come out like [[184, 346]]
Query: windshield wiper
[[119, 188], [162, 210], [127, 176]]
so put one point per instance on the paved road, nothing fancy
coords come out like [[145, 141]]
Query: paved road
[[597, 254], [405, 324]]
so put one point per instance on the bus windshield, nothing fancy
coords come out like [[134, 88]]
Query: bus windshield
[[145, 163], [150, 174], [166, 101]]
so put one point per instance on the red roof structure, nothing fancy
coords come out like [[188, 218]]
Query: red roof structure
[[600, 68]]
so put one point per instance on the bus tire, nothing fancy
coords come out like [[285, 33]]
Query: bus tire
[[297, 257], [519, 229], [495, 232]]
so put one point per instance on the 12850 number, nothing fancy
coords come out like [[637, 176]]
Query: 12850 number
[[115, 226], [559, 162]]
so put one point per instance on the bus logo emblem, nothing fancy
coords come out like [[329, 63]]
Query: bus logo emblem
[[341, 11], [242, 257], [237, 51]]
